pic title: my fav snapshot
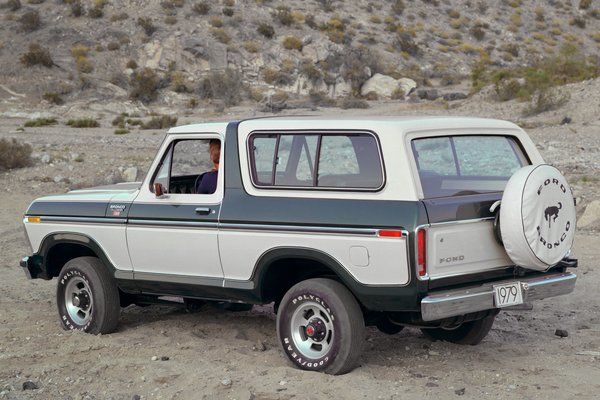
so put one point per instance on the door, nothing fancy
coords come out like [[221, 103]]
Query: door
[[172, 238]]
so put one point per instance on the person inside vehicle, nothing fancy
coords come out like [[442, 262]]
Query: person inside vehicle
[[208, 181]]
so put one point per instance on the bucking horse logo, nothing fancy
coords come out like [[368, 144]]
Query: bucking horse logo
[[551, 213]]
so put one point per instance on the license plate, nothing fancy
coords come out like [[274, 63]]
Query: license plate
[[508, 294]]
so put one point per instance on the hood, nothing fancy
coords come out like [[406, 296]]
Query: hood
[[98, 201]]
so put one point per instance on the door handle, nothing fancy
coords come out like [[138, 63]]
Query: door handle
[[203, 210]]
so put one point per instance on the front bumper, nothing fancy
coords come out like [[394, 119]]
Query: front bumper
[[450, 303], [32, 266]]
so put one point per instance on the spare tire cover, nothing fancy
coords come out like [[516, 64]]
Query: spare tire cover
[[537, 217]]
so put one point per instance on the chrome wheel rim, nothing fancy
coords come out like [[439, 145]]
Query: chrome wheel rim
[[312, 330], [79, 301]]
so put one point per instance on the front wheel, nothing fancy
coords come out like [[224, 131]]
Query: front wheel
[[87, 297], [321, 326], [470, 333]]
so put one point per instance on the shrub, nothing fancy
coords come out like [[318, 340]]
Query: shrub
[[398, 7], [13, 5], [160, 122], [119, 120], [178, 82], [76, 8], [578, 21], [147, 25], [83, 123], [96, 12], [350, 102], [83, 64], [14, 154], [30, 21], [40, 122], [546, 100], [121, 131], [201, 8], [227, 11], [215, 21], [585, 4], [37, 55], [252, 46], [229, 3], [221, 35], [53, 97], [226, 86], [292, 43], [119, 17], [144, 85], [266, 30], [308, 69], [478, 32], [170, 20], [131, 64], [112, 46], [284, 15], [406, 44]]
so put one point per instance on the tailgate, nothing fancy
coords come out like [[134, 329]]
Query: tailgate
[[460, 239]]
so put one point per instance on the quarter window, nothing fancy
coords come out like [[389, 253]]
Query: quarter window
[[316, 160]]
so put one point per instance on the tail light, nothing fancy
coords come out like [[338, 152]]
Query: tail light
[[421, 253]]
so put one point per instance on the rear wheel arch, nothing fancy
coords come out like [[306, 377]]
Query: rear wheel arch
[[279, 269]]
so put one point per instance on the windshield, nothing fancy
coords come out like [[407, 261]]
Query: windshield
[[460, 165]]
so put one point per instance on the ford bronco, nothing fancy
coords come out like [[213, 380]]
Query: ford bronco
[[432, 222]]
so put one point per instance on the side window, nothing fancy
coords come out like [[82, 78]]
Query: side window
[[263, 153], [333, 161], [185, 166]]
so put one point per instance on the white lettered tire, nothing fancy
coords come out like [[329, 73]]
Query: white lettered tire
[[537, 217], [321, 327]]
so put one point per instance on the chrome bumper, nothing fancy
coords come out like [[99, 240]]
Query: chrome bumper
[[463, 301]]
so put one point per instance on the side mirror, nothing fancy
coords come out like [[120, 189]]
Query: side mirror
[[158, 190]]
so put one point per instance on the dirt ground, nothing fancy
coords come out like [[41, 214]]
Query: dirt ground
[[162, 352]]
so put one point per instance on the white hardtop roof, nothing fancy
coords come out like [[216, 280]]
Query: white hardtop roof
[[406, 123]]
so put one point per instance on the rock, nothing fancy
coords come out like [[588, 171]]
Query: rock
[[588, 353], [561, 333], [454, 96], [226, 382], [164, 358], [382, 85], [130, 174], [29, 385], [59, 179], [218, 56], [45, 159], [590, 215], [459, 392], [136, 397], [566, 120], [259, 346], [407, 85], [154, 358], [428, 94]]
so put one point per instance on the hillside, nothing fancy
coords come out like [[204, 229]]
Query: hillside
[[184, 53]]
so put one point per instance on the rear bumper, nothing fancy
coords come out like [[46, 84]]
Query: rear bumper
[[455, 302]]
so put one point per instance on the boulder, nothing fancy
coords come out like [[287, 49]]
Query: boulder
[[407, 85], [382, 85], [591, 215]]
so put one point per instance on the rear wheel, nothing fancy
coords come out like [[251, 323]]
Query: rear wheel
[[87, 296], [321, 326], [470, 333]]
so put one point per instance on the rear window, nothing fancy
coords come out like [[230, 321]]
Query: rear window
[[316, 160], [460, 165]]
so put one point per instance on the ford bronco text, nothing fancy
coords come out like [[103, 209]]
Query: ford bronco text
[[438, 223]]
